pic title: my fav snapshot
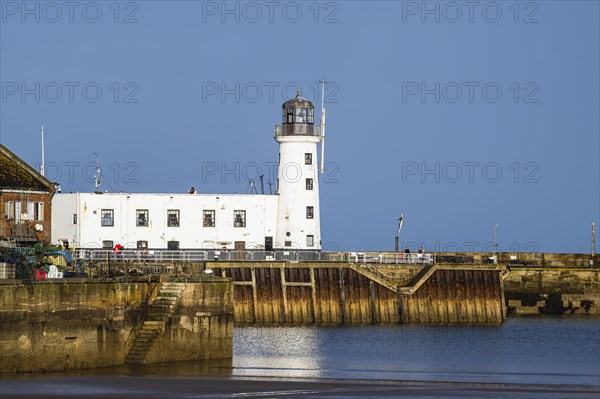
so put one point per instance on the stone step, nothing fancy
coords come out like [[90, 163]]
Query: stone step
[[166, 299], [145, 338], [138, 351], [162, 311], [168, 294], [177, 285], [157, 318], [140, 347], [155, 332]]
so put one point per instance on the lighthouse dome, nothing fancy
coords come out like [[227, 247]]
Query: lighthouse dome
[[298, 102], [298, 116]]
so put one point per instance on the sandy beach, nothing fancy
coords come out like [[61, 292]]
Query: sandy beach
[[233, 387]]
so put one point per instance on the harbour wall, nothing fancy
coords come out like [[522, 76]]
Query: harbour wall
[[541, 259], [67, 324], [552, 291], [323, 293], [462, 293]]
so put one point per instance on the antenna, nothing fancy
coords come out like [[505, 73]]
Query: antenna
[[323, 125], [251, 188], [97, 177], [593, 240], [42, 172], [262, 184]]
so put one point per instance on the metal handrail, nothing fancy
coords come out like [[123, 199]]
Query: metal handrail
[[205, 255], [195, 255], [143, 313], [391, 258]]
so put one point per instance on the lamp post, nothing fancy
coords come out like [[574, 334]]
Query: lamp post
[[494, 255]]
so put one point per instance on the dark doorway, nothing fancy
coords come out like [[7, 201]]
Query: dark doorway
[[240, 247], [268, 243]]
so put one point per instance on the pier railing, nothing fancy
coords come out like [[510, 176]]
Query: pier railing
[[391, 258], [206, 255], [196, 255]]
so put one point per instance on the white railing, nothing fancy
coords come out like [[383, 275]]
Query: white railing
[[284, 130], [391, 258], [195, 255], [203, 255]]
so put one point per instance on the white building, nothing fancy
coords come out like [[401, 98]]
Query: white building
[[287, 220]]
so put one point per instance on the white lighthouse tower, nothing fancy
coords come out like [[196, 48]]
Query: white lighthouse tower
[[298, 221]]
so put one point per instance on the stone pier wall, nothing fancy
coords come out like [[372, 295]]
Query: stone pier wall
[[65, 324], [322, 293], [552, 291]]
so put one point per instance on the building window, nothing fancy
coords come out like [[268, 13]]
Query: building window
[[9, 210], [173, 218], [142, 245], [310, 241], [141, 217], [74, 218], [208, 218], [107, 217], [38, 211], [288, 243], [18, 209], [308, 158], [309, 184], [173, 245], [239, 218], [108, 244], [28, 212], [310, 212]]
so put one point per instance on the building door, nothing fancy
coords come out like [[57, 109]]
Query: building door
[[268, 243], [240, 247]]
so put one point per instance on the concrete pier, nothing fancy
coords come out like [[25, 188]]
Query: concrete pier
[[327, 292], [66, 324]]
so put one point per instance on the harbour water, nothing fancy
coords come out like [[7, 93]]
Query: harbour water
[[561, 356]]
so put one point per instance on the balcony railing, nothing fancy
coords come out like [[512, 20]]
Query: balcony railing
[[297, 130]]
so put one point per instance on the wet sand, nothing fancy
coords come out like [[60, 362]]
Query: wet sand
[[232, 387]]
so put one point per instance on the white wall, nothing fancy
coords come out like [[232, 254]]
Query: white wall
[[293, 195], [63, 208], [261, 211]]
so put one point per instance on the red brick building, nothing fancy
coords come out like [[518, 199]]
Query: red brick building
[[25, 202]]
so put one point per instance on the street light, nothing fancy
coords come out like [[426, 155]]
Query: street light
[[495, 228]]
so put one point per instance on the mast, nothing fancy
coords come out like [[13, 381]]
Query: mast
[[323, 125], [42, 172], [97, 177], [593, 240], [262, 184]]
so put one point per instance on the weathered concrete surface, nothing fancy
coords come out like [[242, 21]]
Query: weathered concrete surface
[[329, 292], [69, 325], [546, 260], [456, 296], [534, 291]]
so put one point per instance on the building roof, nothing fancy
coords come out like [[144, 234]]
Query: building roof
[[16, 174], [297, 102]]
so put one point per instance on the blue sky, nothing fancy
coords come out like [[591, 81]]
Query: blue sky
[[458, 116]]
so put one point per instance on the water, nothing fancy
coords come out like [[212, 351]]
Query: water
[[531, 351], [389, 361]]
